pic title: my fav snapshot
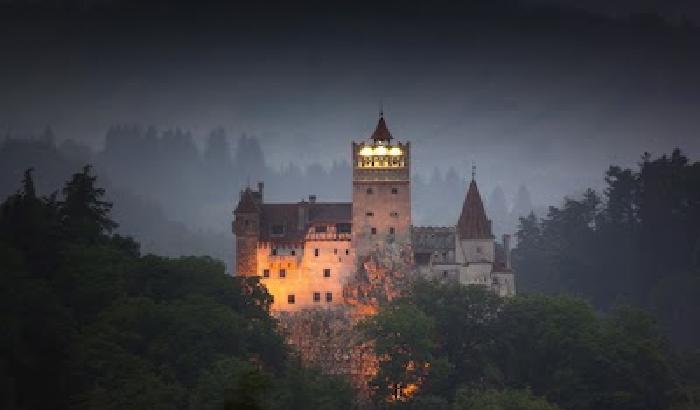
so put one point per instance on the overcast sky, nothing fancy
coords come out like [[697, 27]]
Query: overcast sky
[[529, 94]]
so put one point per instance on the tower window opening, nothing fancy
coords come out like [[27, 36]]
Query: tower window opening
[[392, 230], [369, 191], [335, 251], [329, 297], [293, 252], [394, 214], [317, 297], [374, 231], [326, 273], [369, 213], [394, 191], [283, 273], [347, 251], [274, 251], [316, 252], [266, 273], [290, 299]]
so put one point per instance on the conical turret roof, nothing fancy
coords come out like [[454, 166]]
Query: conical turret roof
[[381, 133], [473, 223], [247, 203]]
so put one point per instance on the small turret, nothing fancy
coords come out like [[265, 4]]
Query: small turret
[[246, 227]]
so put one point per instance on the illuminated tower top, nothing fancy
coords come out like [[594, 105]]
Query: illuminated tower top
[[380, 159]]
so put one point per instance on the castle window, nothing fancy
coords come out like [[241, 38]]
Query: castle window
[[444, 274], [283, 273], [321, 228], [277, 230], [374, 231], [394, 191], [343, 228], [266, 273], [290, 299], [329, 297], [391, 230], [335, 251], [347, 251], [274, 251], [326, 273], [317, 297], [293, 252], [369, 213], [394, 214], [369, 191], [316, 252]]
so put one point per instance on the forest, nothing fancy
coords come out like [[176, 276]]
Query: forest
[[176, 194], [92, 323]]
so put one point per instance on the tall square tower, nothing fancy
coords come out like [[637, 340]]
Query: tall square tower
[[381, 191]]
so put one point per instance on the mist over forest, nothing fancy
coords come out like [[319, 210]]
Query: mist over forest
[[129, 128]]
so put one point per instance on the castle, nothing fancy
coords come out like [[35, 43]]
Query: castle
[[305, 252]]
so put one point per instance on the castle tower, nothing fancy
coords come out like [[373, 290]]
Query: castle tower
[[246, 227], [474, 240], [381, 191]]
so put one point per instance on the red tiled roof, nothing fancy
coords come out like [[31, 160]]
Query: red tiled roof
[[288, 215], [381, 133], [473, 223]]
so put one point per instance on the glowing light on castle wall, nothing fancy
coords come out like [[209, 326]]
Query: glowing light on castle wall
[[368, 151]]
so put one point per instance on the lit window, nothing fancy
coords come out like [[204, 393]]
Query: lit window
[[317, 297], [290, 299], [329, 297], [327, 273], [283, 273], [266, 273]]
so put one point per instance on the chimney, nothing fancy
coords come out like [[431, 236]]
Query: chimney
[[506, 249], [261, 186], [312, 199]]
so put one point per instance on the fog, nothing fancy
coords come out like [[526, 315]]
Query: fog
[[540, 97]]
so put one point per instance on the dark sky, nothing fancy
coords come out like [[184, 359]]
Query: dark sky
[[534, 92]]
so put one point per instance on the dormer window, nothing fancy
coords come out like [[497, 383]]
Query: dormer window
[[321, 228]]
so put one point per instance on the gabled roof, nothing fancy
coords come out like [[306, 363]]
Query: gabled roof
[[381, 133], [473, 223], [247, 203], [287, 215]]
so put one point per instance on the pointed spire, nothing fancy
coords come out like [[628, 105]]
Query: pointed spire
[[247, 203], [381, 133], [473, 223]]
